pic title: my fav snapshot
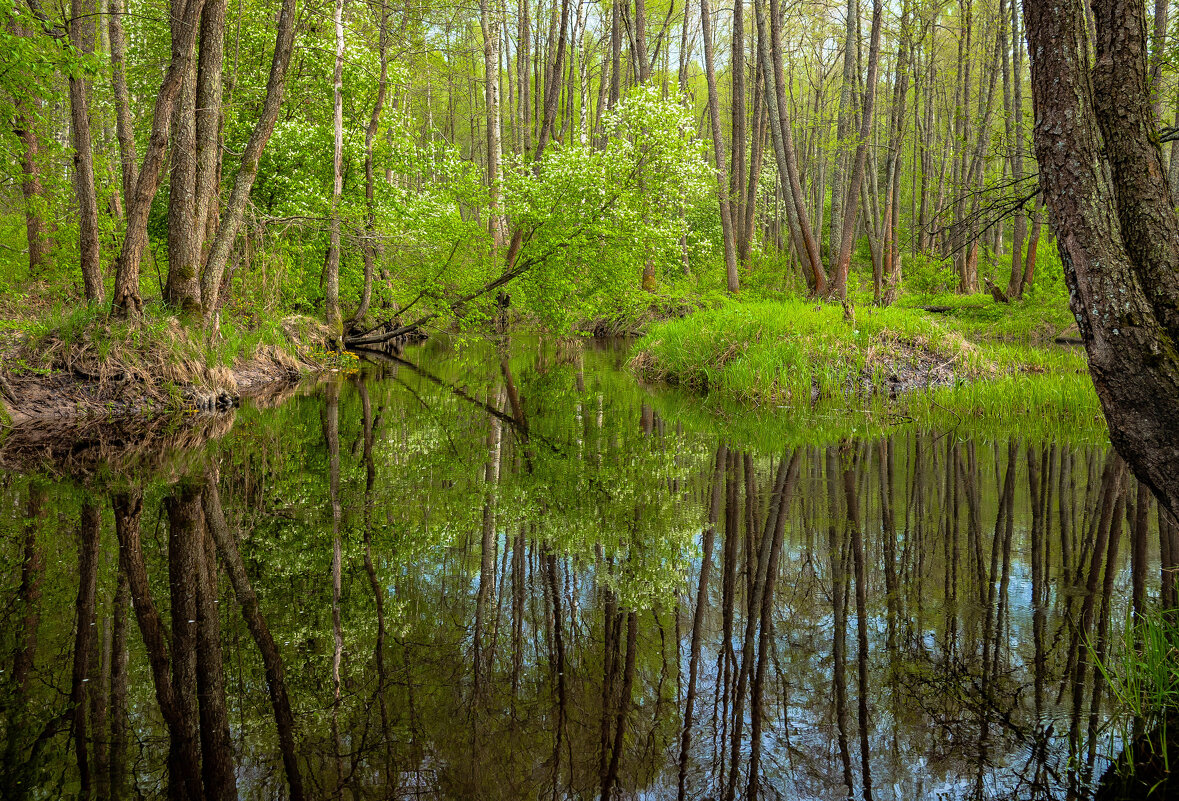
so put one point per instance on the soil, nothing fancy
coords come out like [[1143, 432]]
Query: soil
[[72, 396]]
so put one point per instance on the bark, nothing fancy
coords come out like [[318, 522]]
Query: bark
[[890, 226], [183, 286], [1016, 285], [737, 131], [81, 31], [770, 54], [1117, 240], [369, 248], [718, 149], [124, 126], [126, 301], [1157, 55], [842, 130], [243, 182], [491, 22], [331, 270], [843, 265], [211, 62]]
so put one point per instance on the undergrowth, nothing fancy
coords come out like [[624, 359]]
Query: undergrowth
[[886, 365]]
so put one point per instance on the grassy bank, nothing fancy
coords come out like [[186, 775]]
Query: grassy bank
[[897, 362], [79, 363]]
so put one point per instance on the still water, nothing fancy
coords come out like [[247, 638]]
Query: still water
[[478, 573]]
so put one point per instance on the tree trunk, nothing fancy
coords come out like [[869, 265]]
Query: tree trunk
[[769, 46], [490, 21], [24, 126], [718, 149], [370, 133], [737, 132], [843, 131], [211, 62], [126, 301], [848, 238], [124, 126], [183, 287], [331, 270], [1117, 242], [1015, 286], [81, 31], [243, 182]]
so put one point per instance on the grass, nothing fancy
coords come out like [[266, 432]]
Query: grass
[[1037, 318], [804, 357], [155, 363], [1143, 677]]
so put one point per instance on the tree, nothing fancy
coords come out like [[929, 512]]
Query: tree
[[1118, 236], [718, 148]]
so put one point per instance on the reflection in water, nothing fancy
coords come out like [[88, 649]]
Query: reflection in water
[[469, 575]]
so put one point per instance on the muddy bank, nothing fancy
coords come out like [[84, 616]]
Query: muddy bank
[[77, 395], [103, 371]]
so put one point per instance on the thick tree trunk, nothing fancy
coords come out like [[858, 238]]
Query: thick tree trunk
[[211, 61], [1119, 242], [183, 286], [81, 31], [126, 300]]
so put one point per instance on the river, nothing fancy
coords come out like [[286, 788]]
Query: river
[[463, 572]]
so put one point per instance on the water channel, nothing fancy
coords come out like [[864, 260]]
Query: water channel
[[471, 572]]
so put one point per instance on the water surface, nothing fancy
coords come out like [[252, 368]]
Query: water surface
[[466, 572]]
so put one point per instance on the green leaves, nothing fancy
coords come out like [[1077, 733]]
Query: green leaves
[[595, 217]]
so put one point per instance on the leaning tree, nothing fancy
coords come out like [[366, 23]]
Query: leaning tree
[[1105, 186]]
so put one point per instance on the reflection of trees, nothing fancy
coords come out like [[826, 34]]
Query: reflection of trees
[[412, 606]]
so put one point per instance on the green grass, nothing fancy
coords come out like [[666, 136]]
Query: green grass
[[1037, 318], [779, 355]]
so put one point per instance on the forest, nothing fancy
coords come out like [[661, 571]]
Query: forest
[[624, 399], [344, 160]]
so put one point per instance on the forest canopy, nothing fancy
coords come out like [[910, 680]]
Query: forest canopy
[[352, 159]]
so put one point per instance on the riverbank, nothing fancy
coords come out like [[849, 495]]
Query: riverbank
[[84, 366], [798, 354]]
